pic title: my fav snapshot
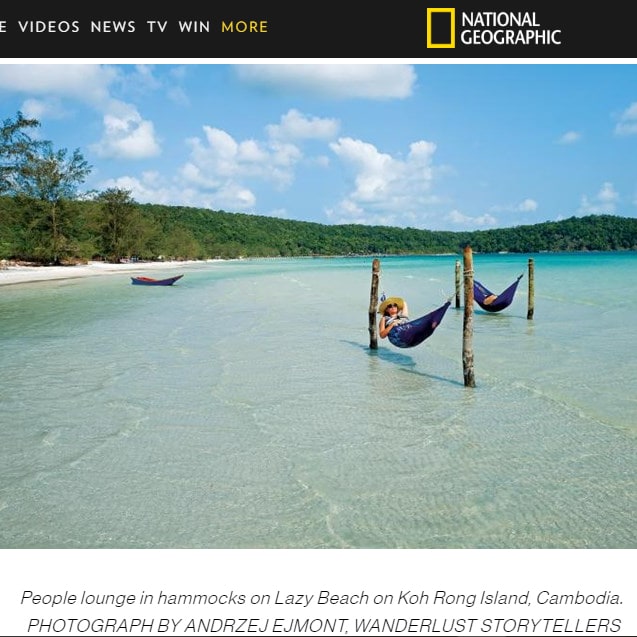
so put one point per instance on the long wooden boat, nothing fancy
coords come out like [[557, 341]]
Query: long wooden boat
[[146, 280]]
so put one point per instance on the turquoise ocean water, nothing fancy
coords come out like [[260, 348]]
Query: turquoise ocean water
[[244, 408]]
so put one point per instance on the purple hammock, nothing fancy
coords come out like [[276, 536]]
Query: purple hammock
[[494, 302], [416, 331]]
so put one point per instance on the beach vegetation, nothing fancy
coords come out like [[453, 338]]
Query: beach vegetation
[[45, 218], [112, 227], [119, 228], [17, 148], [47, 184]]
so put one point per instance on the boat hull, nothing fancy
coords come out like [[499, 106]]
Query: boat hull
[[145, 280]]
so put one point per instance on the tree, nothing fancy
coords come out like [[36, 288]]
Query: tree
[[119, 219], [181, 243], [16, 150], [50, 180]]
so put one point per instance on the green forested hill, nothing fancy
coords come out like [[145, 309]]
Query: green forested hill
[[46, 218], [124, 228], [233, 234]]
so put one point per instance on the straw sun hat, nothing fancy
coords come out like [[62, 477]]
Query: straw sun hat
[[391, 299]]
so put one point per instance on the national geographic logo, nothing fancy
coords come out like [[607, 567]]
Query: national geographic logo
[[441, 28], [488, 28]]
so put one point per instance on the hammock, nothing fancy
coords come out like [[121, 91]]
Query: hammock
[[494, 302], [416, 331]]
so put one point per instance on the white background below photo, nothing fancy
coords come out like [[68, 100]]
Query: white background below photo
[[310, 592]]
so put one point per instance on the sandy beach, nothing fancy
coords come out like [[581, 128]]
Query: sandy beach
[[14, 274]]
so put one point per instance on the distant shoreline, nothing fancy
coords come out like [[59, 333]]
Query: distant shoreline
[[17, 274], [14, 274]]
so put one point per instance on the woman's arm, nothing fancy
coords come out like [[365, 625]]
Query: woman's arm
[[383, 330]]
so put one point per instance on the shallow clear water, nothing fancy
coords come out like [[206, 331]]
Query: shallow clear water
[[243, 408]]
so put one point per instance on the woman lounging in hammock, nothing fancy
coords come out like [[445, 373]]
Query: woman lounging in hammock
[[402, 331], [394, 312]]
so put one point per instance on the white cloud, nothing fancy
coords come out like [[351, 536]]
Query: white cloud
[[627, 124], [528, 205], [374, 170], [481, 221], [87, 83], [144, 78], [177, 95], [296, 126], [385, 190], [127, 136], [221, 171], [50, 108], [220, 168], [148, 188], [220, 156], [153, 188], [570, 137], [343, 81], [604, 202]]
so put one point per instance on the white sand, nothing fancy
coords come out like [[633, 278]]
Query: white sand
[[31, 274]]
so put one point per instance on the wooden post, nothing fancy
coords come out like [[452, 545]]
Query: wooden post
[[467, 329], [457, 284], [373, 304], [531, 299]]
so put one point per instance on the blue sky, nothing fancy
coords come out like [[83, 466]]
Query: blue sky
[[443, 146]]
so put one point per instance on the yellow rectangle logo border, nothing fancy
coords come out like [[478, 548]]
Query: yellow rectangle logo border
[[452, 43]]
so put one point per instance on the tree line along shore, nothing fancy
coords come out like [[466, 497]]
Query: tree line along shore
[[46, 219]]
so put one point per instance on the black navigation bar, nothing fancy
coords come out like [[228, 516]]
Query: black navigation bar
[[248, 29]]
